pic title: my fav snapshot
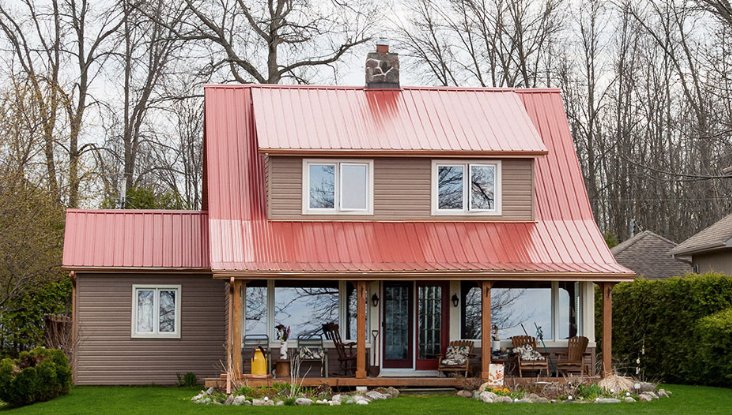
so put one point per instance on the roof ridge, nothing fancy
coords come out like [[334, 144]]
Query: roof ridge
[[403, 88], [690, 244]]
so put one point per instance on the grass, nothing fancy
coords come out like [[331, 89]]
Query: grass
[[176, 401]]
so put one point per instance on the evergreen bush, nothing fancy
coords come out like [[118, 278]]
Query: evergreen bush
[[35, 376]]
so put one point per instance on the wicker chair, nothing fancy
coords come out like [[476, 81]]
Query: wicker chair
[[457, 368], [528, 365], [573, 359]]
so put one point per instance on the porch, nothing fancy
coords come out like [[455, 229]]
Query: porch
[[400, 327]]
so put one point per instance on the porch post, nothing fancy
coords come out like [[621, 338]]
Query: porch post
[[607, 328], [486, 330], [236, 320], [361, 289]]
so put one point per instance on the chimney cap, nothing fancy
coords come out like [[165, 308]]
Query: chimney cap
[[382, 41]]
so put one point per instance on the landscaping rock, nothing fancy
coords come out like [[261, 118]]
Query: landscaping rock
[[607, 400], [361, 388], [645, 397], [336, 398], [503, 399], [487, 397], [375, 396], [322, 402], [210, 390], [279, 403], [303, 402], [645, 387], [229, 400], [262, 402], [239, 400], [540, 399], [361, 401], [628, 399], [393, 392], [465, 394], [662, 393]]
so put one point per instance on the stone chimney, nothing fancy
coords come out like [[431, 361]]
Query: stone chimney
[[382, 67]]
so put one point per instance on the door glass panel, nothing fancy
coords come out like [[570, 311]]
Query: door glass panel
[[429, 317], [396, 314]]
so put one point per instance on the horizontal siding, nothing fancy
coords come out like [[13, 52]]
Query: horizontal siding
[[106, 354], [402, 191]]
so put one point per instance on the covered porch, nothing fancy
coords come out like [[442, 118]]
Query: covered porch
[[397, 330]]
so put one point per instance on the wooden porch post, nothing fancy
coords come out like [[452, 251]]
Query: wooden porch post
[[607, 328], [361, 289], [235, 330], [486, 330]]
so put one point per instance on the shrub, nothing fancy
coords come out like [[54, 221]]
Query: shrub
[[661, 316], [36, 376], [187, 380], [715, 347]]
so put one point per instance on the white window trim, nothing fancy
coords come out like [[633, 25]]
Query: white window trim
[[156, 316], [336, 210], [467, 210]]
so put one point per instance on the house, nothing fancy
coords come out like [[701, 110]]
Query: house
[[711, 249], [648, 255], [401, 213]]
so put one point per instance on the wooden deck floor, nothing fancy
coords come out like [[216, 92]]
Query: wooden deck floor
[[397, 382]]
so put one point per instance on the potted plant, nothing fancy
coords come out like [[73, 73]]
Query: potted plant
[[283, 333]]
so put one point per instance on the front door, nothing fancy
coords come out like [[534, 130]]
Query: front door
[[407, 323], [398, 325], [432, 323]]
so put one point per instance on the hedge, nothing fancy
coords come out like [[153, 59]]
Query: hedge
[[715, 346], [670, 319], [36, 376]]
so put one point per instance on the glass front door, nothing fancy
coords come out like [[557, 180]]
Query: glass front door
[[415, 330], [432, 323], [397, 324]]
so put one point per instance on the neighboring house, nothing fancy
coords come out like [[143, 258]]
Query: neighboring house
[[711, 249], [649, 256], [397, 212]]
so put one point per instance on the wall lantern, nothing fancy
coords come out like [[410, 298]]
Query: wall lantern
[[375, 300], [455, 300]]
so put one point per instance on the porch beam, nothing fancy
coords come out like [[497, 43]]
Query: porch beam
[[236, 323], [607, 328], [361, 289], [486, 330]]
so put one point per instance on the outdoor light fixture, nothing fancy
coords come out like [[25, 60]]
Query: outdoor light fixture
[[455, 300], [375, 300]]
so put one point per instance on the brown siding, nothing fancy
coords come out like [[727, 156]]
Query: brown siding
[[720, 261], [106, 354], [402, 191]]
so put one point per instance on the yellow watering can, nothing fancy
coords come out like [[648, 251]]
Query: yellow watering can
[[259, 363]]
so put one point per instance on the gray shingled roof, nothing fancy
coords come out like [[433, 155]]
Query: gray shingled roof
[[717, 236], [648, 255]]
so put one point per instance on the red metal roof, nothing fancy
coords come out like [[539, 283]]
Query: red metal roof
[[391, 121], [563, 242], [103, 239]]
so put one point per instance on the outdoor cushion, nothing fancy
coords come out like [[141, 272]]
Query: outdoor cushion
[[307, 353], [456, 356], [528, 353]]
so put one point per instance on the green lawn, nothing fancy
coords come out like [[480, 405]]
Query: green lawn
[[176, 401]]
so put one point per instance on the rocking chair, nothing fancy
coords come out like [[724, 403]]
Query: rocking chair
[[346, 352], [573, 359]]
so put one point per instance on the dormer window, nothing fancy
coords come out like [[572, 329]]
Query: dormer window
[[337, 187], [466, 187]]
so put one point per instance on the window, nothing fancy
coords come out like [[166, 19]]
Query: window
[[304, 306], [343, 187], [479, 194], [530, 304], [255, 303], [156, 311]]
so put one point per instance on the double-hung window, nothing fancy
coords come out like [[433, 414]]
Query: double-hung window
[[466, 187], [156, 311], [338, 186]]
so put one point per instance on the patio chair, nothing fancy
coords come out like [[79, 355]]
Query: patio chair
[[310, 348], [456, 358], [346, 351], [573, 359], [527, 357], [251, 342]]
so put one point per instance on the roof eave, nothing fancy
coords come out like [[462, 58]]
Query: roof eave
[[401, 153]]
